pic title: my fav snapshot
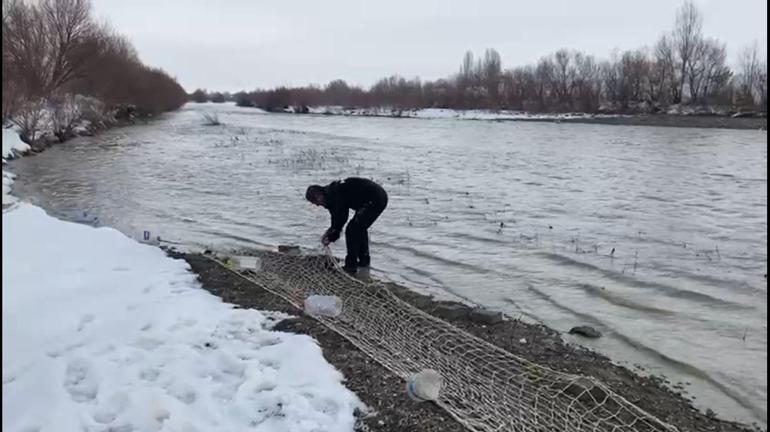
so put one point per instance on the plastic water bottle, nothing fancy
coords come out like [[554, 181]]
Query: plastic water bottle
[[323, 305], [424, 385]]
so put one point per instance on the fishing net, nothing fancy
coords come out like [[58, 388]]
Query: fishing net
[[485, 387]]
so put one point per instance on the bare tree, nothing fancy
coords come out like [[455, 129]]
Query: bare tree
[[667, 75], [199, 96], [752, 75], [65, 113], [543, 79], [715, 74], [523, 87], [562, 77], [696, 69], [587, 88], [613, 82], [682, 65], [217, 97], [69, 26], [29, 117], [635, 70], [24, 49], [491, 71], [761, 85], [339, 92], [52, 50], [467, 71], [687, 40], [45, 44]]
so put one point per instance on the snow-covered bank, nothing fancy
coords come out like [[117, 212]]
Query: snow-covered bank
[[674, 116], [13, 146], [8, 199], [440, 113], [103, 333]]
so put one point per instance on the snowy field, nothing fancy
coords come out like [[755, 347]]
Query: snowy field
[[101, 333]]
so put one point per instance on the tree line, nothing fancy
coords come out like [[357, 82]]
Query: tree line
[[60, 65], [682, 67]]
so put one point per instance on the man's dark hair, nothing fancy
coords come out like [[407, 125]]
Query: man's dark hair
[[312, 191]]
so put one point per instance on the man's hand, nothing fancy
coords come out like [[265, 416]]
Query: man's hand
[[330, 236]]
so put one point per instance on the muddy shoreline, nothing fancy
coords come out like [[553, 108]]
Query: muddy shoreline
[[384, 393]]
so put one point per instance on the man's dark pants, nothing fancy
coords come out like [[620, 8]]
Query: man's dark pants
[[357, 236]]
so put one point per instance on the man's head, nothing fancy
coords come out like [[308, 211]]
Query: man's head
[[315, 194]]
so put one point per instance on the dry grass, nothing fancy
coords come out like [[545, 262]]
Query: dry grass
[[211, 119]]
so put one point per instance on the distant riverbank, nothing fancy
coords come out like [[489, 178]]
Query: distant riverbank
[[720, 121], [669, 120]]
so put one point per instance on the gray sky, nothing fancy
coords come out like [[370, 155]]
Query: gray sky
[[244, 44]]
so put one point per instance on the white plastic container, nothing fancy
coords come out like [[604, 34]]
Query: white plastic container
[[148, 237], [425, 385], [323, 305], [248, 263]]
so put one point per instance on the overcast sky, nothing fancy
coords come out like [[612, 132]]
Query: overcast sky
[[245, 44]]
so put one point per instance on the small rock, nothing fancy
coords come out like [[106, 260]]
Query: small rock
[[452, 311], [522, 341], [710, 413], [485, 316], [288, 249], [422, 302], [585, 331]]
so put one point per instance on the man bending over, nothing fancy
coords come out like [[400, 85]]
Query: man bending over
[[367, 198]]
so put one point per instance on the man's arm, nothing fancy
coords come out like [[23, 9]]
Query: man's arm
[[339, 214]]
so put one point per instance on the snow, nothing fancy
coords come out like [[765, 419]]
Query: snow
[[441, 113], [103, 333], [12, 144], [12, 147], [7, 182], [681, 109]]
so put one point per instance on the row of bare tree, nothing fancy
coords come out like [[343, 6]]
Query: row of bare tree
[[683, 66], [54, 50]]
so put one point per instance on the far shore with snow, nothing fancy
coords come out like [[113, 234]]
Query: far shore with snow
[[674, 117]]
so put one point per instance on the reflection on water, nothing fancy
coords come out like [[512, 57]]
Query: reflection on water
[[656, 236]]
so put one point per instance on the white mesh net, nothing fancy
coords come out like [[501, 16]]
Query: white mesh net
[[485, 387]]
